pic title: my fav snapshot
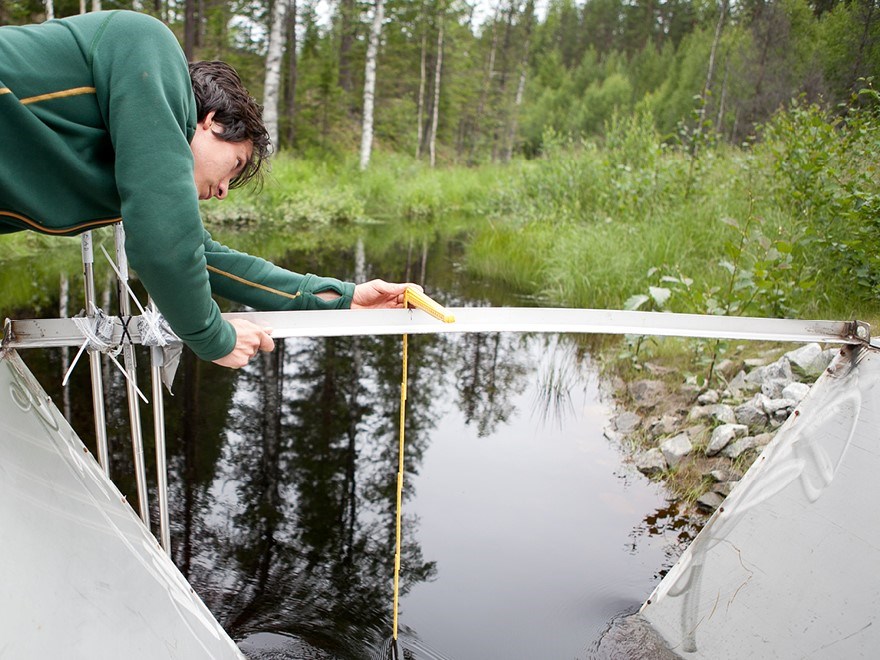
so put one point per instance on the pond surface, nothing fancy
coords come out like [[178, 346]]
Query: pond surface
[[525, 534]]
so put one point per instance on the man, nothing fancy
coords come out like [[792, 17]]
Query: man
[[102, 120]]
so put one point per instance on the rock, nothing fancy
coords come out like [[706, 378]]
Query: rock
[[650, 462], [691, 389], [666, 425], [738, 447], [676, 448], [781, 415], [808, 361], [724, 474], [772, 406], [718, 411], [795, 392], [708, 397], [647, 393], [696, 430], [627, 422], [755, 363], [739, 384], [751, 413], [710, 501], [762, 440], [723, 488], [723, 435], [726, 367], [779, 370], [773, 387]]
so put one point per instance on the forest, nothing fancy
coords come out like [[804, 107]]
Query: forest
[[466, 82], [707, 157]]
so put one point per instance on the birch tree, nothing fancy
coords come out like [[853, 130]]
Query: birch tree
[[421, 103], [438, 66], [50, 9], [273, 71], [370, 84]]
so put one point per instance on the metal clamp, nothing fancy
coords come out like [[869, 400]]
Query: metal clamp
[[859, 332]]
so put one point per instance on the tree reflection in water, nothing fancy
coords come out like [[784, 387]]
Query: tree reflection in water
[[290, 526], [282, 476]]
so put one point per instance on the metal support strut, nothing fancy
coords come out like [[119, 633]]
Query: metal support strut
[[88, 259], [134, 413], [157, 362]]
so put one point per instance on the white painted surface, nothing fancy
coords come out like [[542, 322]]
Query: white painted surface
[[789, 566], [81, 577]]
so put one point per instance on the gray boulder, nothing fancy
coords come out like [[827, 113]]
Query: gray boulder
[[708, 397], [720, 412], [724, 435], [710, 501], [752, 413], [795, 392], [773, 406], [647, 393], [723, 488], [809, 361], [627, 422], [676, 448], [772, 387], [666, 425], [722, 474], [738, 447], [779, 370], [650, 462]]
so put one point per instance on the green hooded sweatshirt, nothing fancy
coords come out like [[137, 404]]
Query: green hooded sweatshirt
[[96, 116]]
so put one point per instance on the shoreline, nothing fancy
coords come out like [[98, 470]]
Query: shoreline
[[699, 441]]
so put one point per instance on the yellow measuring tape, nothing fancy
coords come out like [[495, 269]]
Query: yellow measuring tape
[[417, 299]]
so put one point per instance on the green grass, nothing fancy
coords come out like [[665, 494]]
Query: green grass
[[591, 225]]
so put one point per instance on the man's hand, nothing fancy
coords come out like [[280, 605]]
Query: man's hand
[[378, 294], [250, 339]]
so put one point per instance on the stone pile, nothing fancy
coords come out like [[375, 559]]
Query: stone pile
[[720, 425]]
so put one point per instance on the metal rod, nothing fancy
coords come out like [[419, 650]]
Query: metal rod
[[134, 413], [157, 361], [88, 259], [43, 333]]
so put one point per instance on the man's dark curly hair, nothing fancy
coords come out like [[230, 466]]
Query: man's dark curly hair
[[218, 89]]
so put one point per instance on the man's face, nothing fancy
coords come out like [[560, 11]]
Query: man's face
[[217, 161]]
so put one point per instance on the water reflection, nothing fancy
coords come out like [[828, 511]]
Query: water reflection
[[282, 485]]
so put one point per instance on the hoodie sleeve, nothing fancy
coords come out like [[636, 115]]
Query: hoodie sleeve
[[144, 90], [262, 285]]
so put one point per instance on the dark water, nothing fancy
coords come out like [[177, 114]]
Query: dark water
[[524, 533]]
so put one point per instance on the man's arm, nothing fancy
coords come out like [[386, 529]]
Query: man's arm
[[143, 88], [257, 283]]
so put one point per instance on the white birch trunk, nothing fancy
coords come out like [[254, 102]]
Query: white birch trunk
[[96, 5], [514, 121], [272, 85], [420, 134], [436, 117], [370, 84], [50, 9]]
